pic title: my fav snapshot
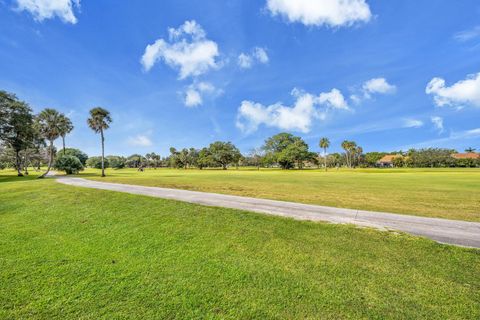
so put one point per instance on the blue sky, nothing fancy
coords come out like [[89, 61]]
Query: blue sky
[[388, 74]]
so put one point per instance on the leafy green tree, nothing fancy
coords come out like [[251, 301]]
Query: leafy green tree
[[286, 150], [69, 164], [97, 162], [116, 162], [82, 156], [99, 121], [324, 144], [48, 125], [16, 126], [350, 148], [398, 161], [205, 159], [135, 161], [66, 127], [224, 153]]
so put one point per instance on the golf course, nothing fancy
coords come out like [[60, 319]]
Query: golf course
[[84, 253], [451, 193], [239, 160]]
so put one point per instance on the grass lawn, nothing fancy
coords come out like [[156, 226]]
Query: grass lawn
[[444, 193], [69, 252]]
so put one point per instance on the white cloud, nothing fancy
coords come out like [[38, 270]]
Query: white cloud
[[333, 99], [139, 141], [462, 93], [258, 55], [437, 123], [413, 123], [378, 85], [245, 61], [298, 117], [195, 91], [467, 35], [332, 13], [187, 49], [48, 9]]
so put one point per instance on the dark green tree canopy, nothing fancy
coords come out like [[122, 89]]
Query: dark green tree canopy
[[82, 156]]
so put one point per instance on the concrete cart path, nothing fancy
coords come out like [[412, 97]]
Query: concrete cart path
[[461, 233]]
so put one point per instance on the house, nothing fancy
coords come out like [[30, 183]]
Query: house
[[386, 160], [467, 155]]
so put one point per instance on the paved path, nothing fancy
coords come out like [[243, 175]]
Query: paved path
[[442, 230]]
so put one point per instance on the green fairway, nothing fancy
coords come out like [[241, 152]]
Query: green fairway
[[444, 193], [70, 252]]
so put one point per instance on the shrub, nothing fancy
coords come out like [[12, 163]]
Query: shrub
[[69, 164], [96, 162], [116, 162], [82, 156]]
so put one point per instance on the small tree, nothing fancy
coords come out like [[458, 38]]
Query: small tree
[[69, 164], [324, 144], [99, 121], [97, 163], [82, 156]]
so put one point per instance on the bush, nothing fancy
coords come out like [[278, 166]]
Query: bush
[[96, 162], [69, 164], [116, 162], [82, 156]]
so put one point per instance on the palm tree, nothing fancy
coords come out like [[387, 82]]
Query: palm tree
[[349, 147], [324, 144], [48, 125], [470, 150], [66, 127], [99, 121]]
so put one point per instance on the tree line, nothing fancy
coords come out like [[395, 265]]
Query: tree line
[[27, 140]]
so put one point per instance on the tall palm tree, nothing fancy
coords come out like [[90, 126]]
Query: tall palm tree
[[349, 147], [48, 126], [66, 127], [99, 121], [324, 144]]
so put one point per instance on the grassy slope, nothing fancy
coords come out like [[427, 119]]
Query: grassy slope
[[69, 252], [444, 193]]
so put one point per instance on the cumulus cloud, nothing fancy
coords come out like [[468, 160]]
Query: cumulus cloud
[[299, 117], [247, 60], [139, 140], [372, 87], [462, 93], [468, 35], [187, 49], [334, 13], [413, 123], [194, 93], [48, 9], [378, 85], [437, 123]]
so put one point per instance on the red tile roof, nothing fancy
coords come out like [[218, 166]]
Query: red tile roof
[[468, 155]]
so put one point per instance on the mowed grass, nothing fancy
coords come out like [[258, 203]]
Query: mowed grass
[[443, 193], [69, 253]]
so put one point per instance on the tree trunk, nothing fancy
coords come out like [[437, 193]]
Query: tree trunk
[[103, 152], [18, 164], [325, 158], [50, 160], [63, 141], [224, 166]]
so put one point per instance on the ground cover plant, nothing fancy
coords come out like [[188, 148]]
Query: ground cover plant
[[444, 193], [69, 252]]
